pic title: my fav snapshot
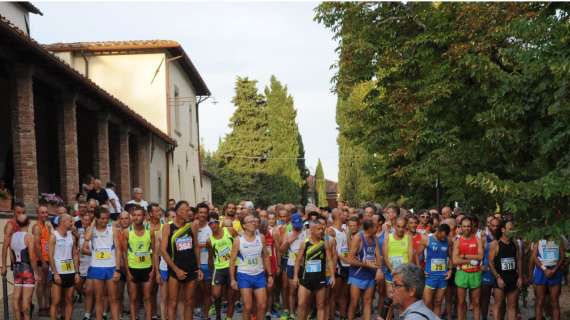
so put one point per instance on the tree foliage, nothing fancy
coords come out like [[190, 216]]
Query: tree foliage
[[320, 186], [476, 93], [262, 158]]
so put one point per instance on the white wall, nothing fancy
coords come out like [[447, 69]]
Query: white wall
[[206, 189], [158, 162], [130, 79], [16, 14], [185, 169]]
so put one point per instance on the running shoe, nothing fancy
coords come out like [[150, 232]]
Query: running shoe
[[284, 315]]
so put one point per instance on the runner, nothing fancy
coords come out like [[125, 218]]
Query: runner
[[219, 246], [423, 227], [379, 221], [204, 285], [24, 263], [339, 292], [291, 244], [488, 281], [392, 213], [41, 232], [467, 256], [451, 292], [10, 227], [273, 256], [283, 224], [84, 287], [182, 256], [417, 238], [506, 265], [162, 275], [548, 256], [122, 224], [253, 265], [64, 263], [138, 240], [313, 260], [155, 222], [365, 268], [102, 244], [437, 267]]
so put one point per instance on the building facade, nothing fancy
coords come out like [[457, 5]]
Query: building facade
[[160, 82], [59, 126]]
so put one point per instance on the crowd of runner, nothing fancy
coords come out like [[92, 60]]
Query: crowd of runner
[[284, 261]]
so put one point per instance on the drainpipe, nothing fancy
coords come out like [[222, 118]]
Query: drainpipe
[[82, 53]]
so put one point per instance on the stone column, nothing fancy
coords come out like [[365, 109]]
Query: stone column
[[144, 165], [124, 165], [68, 158], [24, 136], [102, 154]]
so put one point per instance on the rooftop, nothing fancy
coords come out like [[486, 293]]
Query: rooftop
[[138, 45]]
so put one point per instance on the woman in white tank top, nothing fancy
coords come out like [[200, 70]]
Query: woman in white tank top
[[253, 265]]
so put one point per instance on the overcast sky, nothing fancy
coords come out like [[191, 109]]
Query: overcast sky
[[224, 40]]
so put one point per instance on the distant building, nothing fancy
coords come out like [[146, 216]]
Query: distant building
[[57, 125], [160, 82], [331, 188]]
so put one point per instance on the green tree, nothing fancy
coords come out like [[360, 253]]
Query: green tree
[[475, 93], [283, 165], [320, 186]]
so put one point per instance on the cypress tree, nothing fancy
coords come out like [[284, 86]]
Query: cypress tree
[[244, 152], [320, 186], [283, 166]]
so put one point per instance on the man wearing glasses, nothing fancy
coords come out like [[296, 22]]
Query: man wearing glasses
[[408, 281]]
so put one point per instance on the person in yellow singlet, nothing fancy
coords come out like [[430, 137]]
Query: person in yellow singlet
[[139, 241]]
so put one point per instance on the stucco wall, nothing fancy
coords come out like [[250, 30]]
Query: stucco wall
[[158, 162], [130, 78], [16, 14], [185, 170], [206, 188]]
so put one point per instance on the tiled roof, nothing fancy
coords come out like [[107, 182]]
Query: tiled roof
[[331, 186], [10, 32], [139, 45]]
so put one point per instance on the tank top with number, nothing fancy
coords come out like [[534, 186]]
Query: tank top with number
[[44, 239], [249, 256], [19, 248], [341, 245], [398, 251], [314, 262], [270, 249], [181, 247], [367, 253], [84, 260], [294, 248], [203, 234], [103, 248], [437, 255], [222, 249], [416, 241], [469, 246], [506, 261], [63, 253], [139, 249], [548, 253]]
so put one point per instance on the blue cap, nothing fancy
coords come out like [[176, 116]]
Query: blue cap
[[297, 221]]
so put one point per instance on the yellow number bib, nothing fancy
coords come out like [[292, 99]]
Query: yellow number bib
[[66, 266], [103, 254]]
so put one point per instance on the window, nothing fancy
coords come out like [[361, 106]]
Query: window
[[177, 111]]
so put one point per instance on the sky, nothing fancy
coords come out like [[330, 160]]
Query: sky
[[224, 40]]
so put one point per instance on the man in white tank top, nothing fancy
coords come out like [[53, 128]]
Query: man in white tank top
[[64, 265]]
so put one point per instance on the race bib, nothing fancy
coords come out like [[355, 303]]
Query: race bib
[[551, 253], [252, 260], [508, 264], [184, 243], [396, 261], [224, 254], [103, 254], [142, 257], [313, 266], [204, 255], [269, 251], [344, 252], [474, 262], [66, 266], [438, 265], [292, 258]]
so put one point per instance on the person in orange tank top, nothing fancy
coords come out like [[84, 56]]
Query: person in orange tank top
[[41, 232], [467, 256]]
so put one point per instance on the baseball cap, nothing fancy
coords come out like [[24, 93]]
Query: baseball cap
[[296, 221]]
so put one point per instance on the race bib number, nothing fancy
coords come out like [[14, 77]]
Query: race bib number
[[184, 243], [103, 254], [396, 261], [204, 256], [66, 266], [508, 264], [292, 258], [313, 266], [269, 251], [438, 265], [224, 255], [344, 252], [551, 253], [142, 257], [251, 260]]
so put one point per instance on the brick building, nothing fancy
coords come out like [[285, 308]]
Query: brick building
[[57, 125], [331, 189]]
